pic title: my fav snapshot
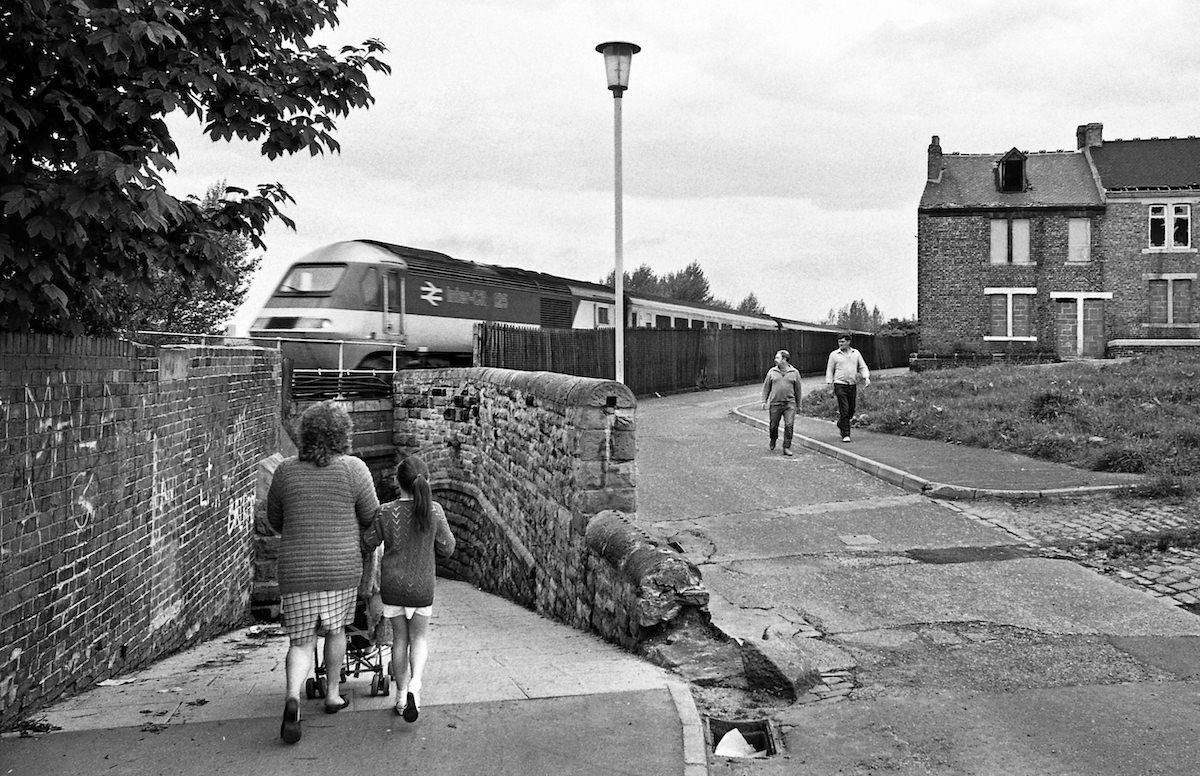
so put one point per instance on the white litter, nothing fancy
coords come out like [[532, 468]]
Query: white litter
[[116, 682], [734, 744]]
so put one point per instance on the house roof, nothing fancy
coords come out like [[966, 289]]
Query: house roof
[[1156, 163], [1056, 179]]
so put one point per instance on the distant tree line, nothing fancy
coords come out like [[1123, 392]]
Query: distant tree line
[[857, 317], [687, 285]]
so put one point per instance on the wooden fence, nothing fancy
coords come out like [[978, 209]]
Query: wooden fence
[[671, 360]]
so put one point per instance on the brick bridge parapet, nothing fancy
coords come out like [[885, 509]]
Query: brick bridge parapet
[[537, 473]]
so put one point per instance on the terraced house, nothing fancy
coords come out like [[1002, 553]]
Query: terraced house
[[1087, 253]]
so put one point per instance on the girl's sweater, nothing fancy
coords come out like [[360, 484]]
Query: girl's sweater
[[319, 510], [407, 572]]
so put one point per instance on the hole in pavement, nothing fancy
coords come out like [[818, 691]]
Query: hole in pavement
[[970, 554], [757, 733]]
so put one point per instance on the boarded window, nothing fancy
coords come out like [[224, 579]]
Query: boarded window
[[1079, 239], [999, 241], [1022, 312], [662, 321], [998, 319], [1010, 241]]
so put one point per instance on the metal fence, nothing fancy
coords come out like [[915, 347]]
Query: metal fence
[[669, 360]]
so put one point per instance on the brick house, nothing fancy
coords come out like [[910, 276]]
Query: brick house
[[1085, 253]]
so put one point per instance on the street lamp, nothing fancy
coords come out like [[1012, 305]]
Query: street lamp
[[617, 56]]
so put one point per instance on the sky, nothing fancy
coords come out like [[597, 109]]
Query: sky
[[781, 145]]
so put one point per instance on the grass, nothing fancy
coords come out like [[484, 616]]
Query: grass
[[1138, 415]]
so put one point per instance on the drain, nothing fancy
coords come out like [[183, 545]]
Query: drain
[[756, 733], [941, 555]]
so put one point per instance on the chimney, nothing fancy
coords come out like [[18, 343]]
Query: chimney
[[1089, 136], [935, 160]]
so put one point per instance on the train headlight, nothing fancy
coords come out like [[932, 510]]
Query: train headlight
[[313, 323]]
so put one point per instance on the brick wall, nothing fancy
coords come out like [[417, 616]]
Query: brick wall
[[127, 487], [1125, 236], [537, 475], [954, 267]]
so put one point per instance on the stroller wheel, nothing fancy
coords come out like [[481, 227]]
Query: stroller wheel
[[322, 687], [310, 688], [375, 685], [384, 689]]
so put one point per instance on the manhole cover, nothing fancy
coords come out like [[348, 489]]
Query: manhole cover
[[969, 554]]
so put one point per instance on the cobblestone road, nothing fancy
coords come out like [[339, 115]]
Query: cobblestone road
[[1073, 529]]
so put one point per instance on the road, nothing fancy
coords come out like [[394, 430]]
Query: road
[[920, 636]]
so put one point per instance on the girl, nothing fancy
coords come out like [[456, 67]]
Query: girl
[[413, 530]]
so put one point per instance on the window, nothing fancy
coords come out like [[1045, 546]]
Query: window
[[1079, 239], [681, 323], [1010, 241], [1175, 220], [601, 315], [1010, 171], [662, 321], [1010, 314], [312, 279], [1170, 300]]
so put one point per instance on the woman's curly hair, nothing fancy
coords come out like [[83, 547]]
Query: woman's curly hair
[[324, 432]]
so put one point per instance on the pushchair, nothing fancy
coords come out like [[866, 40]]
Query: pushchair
[[368, 646]]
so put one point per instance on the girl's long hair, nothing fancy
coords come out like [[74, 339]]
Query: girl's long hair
[[413, 476]]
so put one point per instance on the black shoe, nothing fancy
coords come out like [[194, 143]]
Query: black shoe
[[771, 446], [289, 731], [411, 712], [334, 709]]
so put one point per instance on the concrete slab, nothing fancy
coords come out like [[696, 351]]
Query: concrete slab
[[893, 524], [1054, 596], [617, 733], [1116, 730]]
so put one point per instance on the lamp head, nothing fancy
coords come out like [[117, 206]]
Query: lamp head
[[617, 56]]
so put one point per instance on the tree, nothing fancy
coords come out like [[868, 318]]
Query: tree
[[688, 285], [642, 281], [900, 327], [83, 141], [855, 316], [187, 305], [751, 305]]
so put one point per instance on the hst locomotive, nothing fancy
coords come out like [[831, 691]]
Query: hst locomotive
[[364, 304]]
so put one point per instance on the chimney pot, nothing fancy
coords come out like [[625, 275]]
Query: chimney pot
[[934, 172]]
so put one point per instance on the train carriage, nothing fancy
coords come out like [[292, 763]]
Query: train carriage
[[365, 304]]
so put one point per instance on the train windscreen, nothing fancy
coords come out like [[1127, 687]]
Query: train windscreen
[[312, 279]]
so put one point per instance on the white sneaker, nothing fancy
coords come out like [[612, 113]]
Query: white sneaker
[[845, 439]]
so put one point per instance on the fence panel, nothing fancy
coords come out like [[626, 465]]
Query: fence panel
[[669, 360]]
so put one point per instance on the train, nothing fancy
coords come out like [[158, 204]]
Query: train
[[371, 305]]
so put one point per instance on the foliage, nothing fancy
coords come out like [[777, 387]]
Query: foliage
[[83, 142], [183, 305], [687, 285], [751, 305], [1141, 415], [900, 327], [855, 316]]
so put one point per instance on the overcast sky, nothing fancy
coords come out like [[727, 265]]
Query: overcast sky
[[782, 145]]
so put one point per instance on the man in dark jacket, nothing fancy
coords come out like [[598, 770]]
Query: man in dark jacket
[[781, 397]]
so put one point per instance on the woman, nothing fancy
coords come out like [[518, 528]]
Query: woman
[[319, 500]]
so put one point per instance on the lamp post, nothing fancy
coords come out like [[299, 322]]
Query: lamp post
[[617, 56]]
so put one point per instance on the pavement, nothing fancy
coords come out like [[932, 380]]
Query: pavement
[[813, 561], [506, 691]]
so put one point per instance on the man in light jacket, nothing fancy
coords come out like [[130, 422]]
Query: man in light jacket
[[781, 397], [845, 370]]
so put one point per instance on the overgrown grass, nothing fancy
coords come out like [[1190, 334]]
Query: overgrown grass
[[1140, 415]]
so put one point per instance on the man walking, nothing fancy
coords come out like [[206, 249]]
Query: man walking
[[845, 370], [781, 396]]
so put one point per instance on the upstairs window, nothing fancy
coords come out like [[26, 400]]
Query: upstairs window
[[1079, 239], [601, 315], [1010, 171], [1010, 241], [1170, 226]]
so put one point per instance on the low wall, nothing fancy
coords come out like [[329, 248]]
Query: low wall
[[536, 472], [127, 489]]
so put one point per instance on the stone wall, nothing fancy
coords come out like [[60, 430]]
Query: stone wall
[[127, 488], [537, 474]]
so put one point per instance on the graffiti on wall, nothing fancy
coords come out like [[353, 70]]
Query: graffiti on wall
[[65, 434]]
